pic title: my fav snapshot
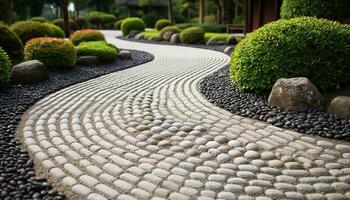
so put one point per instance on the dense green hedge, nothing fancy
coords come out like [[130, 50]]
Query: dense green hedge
[[162, 23], [193, 35], [83, 23], [39, 19], [27, 30], [173, 29], [118, 24], [213, 28], [10, 42], [60, 23], [132, 23], [86, 35], [305, 46], [104, 51], [55, 30], [150, 19], [5, 66], [55, 53], [102, 20], [328, 9]]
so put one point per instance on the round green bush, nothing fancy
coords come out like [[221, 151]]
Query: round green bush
[[96, 21], [150, 19], [39, 19], [104, 51], [169, 29], [60, 23], [10, 42], [27, 30], [56, 31], [55, 53], [86, 35], [300, 47], [193, 35], [5, 66], [132, 23], [328, 9], [118, 24], [162, 23], [83, 23]]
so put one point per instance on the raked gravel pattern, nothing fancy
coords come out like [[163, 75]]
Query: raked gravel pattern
[[148, 133]]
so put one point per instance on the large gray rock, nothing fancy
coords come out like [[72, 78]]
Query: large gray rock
[[231, 40], [29, 72], [88, 60], [124, 55], [133, 33], [167, 35], [340, 106], [295, 94], [175, 38], [155, 38], [229, 49], [140, 36]]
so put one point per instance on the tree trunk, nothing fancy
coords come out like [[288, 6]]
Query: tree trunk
[[65, 17], [76, 14], [170, 10], [7, 11], [201, 11]]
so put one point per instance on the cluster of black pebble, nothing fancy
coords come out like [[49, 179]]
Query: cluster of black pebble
[[219, 89], [17, 176]]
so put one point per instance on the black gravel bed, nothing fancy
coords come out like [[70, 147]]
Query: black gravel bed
[[219, 48], [222, 92], [18, 180]]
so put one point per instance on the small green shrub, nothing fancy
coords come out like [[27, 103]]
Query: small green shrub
[[132, 23], [83, 23], [193, 35], [86, 35], [5, 66], [55, 53], [309, 47], [104, 51], [150, 19], [56, 31], [39, 19], [95, 21], [10, 42], [183, 26], [27, 30], [328, 9], [118, 24], [168, 29], [60, 23], [162, 23], [213, 28], [239, 20], [101, 19]]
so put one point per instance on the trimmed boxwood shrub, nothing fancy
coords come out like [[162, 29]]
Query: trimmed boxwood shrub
[[328, 9], [27, 30], [60, 23], [55, 53], [104, 51], [83, 23], [56, 31], [168, 29], [162, 23], [86, 35], [39, 19], [193, 35], [132, 23], [308, 47], [5, 66], [102, 19], [10, 42], [118, 24]]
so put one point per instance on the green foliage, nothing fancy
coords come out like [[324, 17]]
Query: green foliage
[[10, 42], [309, 47], [101, 19], [328, 9], [56, 31], [150, 19], [169, 29], [118, 24], [132, 23], [55, 53], [5, 66], [162, 23], [239, 20], [30, 29], [104, 51], [83, 23], [213, 28], [60, 23], [86, 36], [95, 21], [193, 35], [39, 19]]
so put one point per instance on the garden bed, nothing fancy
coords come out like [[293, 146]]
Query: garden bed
[[17, 175], [219, 89]]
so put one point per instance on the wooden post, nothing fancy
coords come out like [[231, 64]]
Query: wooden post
[[65, 17], [201, 11]]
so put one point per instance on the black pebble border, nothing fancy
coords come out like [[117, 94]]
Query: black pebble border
[[222, 92], [17, 176]]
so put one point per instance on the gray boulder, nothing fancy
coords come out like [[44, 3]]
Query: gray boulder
[[213, 41], [229, 49], [175, 38], [124, 55], [155, 38], [231, 40], [139, 36], [88, 60], [340, 106], [29, 72], [167, 35], [133, 33], [295, 94]]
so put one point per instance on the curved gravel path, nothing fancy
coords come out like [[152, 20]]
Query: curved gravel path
[[147, 132]]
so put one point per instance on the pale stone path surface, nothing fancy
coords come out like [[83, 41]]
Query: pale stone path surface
[[148, 133]]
